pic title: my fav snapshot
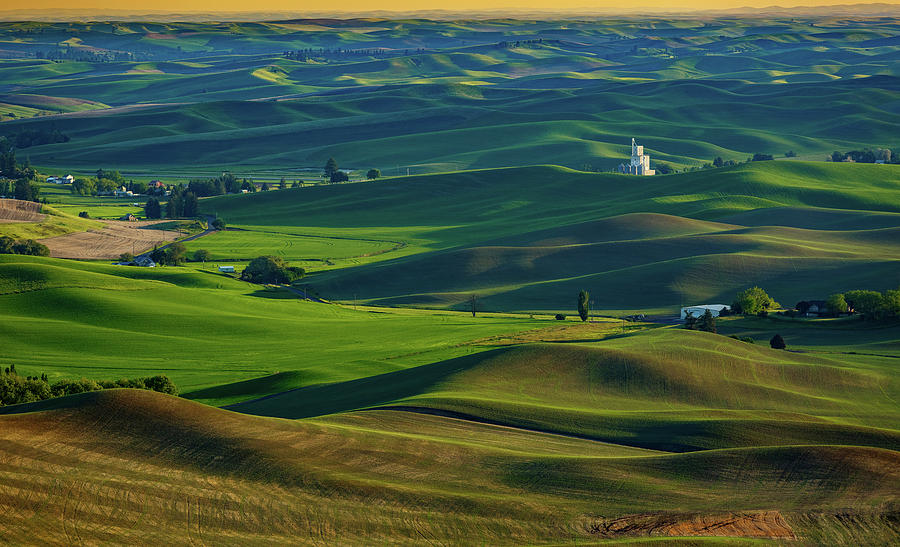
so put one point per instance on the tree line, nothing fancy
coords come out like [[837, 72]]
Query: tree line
[[35, 137], [866, 155], [10, 246], [15, 389]]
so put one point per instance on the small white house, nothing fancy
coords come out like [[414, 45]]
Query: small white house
[[68, 179], [226, 269], [697, 311]]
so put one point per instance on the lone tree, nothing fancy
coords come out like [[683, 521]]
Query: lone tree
[[331, 168], [584, 305], [718, 162], [339, 176], [218, 224], [373, 174], [777, 342], [202, 255], [473, 302]]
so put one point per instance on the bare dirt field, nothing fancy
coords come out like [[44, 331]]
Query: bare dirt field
[[751, 524], [13, 210], [118, 237]]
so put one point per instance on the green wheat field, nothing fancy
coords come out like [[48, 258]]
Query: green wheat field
[[429, 380]]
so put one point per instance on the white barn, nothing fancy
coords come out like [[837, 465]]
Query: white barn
[[699, 310], [226, 269]]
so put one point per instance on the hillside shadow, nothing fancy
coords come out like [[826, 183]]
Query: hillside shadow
[[319, 400]]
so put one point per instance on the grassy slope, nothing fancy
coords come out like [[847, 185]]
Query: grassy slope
[[202, 329], [56, 223], [664, 390], [529, 238]]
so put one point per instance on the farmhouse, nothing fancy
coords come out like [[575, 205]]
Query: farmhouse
[[226, 269], [697, 311], [640, 162], [129, 217], [814, 308], [144, 262]]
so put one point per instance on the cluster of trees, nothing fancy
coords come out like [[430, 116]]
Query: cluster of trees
[[521, 43], [719, 162], [23, 189], [35, 137], [10, 246], [271, 269], [10, 168], [182, 203], [152, 208], [105, 182], [333, 173], [324, 53], [865, 155], [173, 255], [15, 389], [753, 301], [706, 322], [872, 305], [85, 55]]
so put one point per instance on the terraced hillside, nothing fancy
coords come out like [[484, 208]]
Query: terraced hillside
[[442, 95], [531, 238]]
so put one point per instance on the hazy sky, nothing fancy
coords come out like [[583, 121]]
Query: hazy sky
[[403, 5]]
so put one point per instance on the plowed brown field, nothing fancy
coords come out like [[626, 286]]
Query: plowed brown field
[[14, 210], [108, 243]]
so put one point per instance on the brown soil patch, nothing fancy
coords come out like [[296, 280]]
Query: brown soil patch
[[750, 524], [14, 210], [119, 236]]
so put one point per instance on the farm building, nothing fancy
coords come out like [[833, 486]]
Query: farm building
[[129, 217], [144, 262], [699, 310], [640, 162], [226, 269]]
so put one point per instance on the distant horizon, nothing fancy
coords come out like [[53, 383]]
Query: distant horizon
[[394, 9]]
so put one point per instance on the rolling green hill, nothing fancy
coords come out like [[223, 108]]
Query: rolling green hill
[[149, 465], [442, 95], [79, 319], [429, 393], [530, 238]]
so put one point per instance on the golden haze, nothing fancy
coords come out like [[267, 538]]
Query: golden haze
[[404, 5]]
